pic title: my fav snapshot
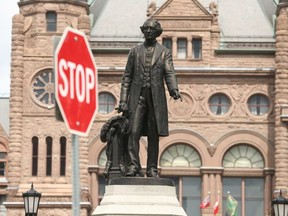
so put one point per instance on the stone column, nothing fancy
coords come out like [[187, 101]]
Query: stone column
[[189, 47], [174, 47], [94, 185], [268, 192], [16, 101], [281, 96]]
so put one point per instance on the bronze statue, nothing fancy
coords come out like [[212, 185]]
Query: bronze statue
[[143, 94], [114, 132]]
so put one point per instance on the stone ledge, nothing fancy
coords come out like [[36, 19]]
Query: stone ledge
[[140, 181]]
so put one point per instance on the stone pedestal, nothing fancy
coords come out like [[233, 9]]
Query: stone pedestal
[[140, 196]]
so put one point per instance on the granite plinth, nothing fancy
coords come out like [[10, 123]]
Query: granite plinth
[[139, 196]]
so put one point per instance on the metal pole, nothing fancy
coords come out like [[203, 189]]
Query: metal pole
[[75, 176]]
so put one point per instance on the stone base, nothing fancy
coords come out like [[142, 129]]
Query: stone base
[[140, 196]]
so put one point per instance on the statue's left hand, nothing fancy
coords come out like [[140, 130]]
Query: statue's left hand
[[122, 107], [176, 94]]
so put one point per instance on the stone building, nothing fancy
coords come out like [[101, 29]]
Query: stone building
[[228, 134]]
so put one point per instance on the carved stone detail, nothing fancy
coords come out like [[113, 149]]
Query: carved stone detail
[[211, 150], [183, 108], [196, 97]]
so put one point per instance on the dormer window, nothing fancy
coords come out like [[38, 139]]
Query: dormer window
[[197, 48], [182, 48], [51, 19], [167, 42]]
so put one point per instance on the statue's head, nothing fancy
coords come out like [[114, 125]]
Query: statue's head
[[151, 29]]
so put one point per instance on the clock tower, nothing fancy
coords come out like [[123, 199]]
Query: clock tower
[[40, 146]]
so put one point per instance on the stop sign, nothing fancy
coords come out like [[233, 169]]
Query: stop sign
[[76, 81]]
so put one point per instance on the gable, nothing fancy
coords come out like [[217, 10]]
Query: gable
[[182, 8]]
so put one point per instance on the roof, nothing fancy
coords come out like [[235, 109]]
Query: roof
[[245, 20], [119, 20]]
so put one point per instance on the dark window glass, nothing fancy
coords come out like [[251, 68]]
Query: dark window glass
[[3, 198], [2, 163], [219, 104], [2, 168], [190, 189], [181, 48], [258, 104], [34, 156], [107, 103], [102, 184], [63, 156], [197, 48], [167, 42], [252, 203], [3, 155], [48, 156], [51, 18]]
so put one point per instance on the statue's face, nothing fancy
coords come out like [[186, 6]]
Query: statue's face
[[149, 30]]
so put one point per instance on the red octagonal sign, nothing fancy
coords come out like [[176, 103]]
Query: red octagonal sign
[[76, 81]]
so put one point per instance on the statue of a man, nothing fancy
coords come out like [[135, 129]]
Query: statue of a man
[[143, 93]]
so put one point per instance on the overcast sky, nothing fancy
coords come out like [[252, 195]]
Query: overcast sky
[[9, 9]]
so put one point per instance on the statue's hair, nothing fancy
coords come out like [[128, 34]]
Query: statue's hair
[[157, 25]]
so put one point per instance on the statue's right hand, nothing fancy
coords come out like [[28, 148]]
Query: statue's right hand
[[122, 107]]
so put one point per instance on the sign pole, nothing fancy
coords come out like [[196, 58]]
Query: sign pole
[[75, 176], [76, 94]]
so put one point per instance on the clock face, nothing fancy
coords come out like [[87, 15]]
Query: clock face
[[43, 88]]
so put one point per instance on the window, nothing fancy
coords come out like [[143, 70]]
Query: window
[[184, 155], [181, 48], [197, 48], [102, 159], [258, 104], [48, 156], [63, 156], [101, 190], [35, 155], [167, 42], [180, 155], [243, 156], [190, 195], [51, 18], [3, 210], [43, 88], [3, 163], [249, 192], [107, 103], [219, 104]]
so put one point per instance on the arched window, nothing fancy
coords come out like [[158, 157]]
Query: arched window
[[49, 156], [35, 144], [248, 191], [63, 144], [243, 156], [180, 155]]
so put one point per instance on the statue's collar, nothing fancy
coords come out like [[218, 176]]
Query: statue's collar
[[149, 43]]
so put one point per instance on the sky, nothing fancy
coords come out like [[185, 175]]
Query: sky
[[9, 9]]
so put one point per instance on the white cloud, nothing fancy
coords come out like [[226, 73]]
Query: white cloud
[[9, 9]]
